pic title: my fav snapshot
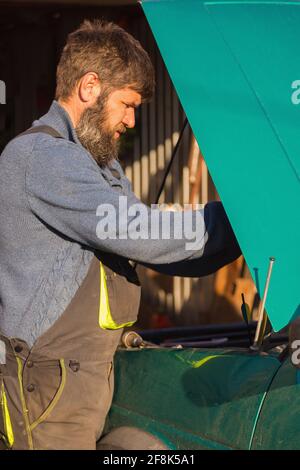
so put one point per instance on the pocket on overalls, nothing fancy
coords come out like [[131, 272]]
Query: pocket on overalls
[[51, 382], [119, 299]]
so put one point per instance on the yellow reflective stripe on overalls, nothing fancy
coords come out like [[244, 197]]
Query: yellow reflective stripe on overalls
[[9, 435], [106, 321]]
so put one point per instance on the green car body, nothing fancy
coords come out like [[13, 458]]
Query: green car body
[[220, 399]]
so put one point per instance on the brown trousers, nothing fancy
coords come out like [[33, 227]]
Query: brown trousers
[[56, 395]]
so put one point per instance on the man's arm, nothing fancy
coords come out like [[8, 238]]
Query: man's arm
[[65, 188], [220, 249]]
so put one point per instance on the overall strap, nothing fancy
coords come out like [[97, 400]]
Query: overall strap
[[45, 129]]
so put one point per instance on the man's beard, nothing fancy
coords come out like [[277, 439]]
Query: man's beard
[[94, 135]]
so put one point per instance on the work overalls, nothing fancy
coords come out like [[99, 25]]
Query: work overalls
[[56, 394]]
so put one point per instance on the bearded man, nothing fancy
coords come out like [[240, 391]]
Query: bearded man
[[66, 293]]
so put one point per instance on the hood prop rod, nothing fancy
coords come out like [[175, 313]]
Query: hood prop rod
[[261, 324]]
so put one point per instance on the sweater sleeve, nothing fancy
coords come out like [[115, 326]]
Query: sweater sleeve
[[220, 249], [67, 191]]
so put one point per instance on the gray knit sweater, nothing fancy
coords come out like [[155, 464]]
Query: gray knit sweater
[[49, 193]]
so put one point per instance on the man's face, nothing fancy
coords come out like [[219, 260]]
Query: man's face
[[100, 126], [121, 105]]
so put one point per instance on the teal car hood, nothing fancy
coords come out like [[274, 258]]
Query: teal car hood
[[236, 71]]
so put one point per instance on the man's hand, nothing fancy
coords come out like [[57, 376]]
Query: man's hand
[[220, 249]]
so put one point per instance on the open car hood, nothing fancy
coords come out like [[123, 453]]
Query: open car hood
[[235, 66]]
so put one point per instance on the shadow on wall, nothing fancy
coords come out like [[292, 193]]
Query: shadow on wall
[[206, 303]]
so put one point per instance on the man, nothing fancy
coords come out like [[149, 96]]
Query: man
[[67, 287]]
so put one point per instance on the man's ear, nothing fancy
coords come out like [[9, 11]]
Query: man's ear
[[89, 88]]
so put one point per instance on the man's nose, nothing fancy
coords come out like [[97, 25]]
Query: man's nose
[[129, 118]]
